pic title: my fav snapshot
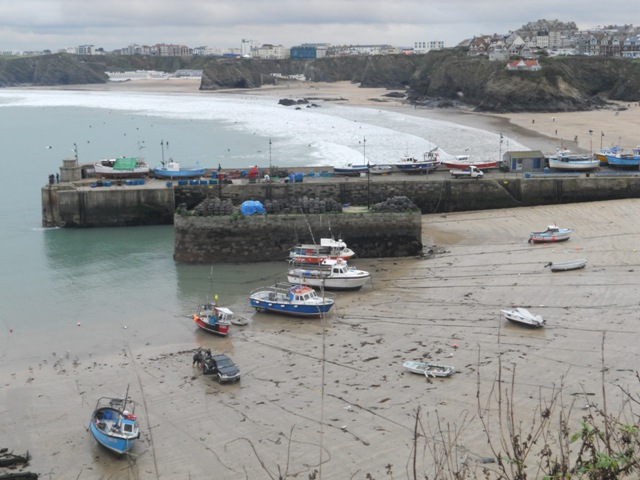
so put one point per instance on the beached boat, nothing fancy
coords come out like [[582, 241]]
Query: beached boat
[[565, 161], [214, 319], [173, 169], [625, 161], [464, 161], [523, 317], [290, 299], [123, 167], [351, 170], [315, 254], [551, 234], [564, 266], [114, 425], [330, 274], [429, 369], [601, 156], [380, 169], [412, 165]]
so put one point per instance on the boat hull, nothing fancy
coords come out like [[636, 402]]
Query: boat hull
[[565, 266], [290, 309], [623, 161], [523, 317], [182, 173], [116, 445], [584, 165], [417, 168], [218, 328], [465, 165], [329, 283], [429, 369]]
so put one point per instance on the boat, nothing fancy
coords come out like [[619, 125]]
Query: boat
[[564, 266], [172, 169], [412, 165], [551, 234], [524, 317], [315, 254], [330, 274], [429, 369], [622, 160], [122, 167], [113, 425], [380, 169], [213, 318], [290, 299], [464, 161], [351, 170], [601, 156], [565, 161]]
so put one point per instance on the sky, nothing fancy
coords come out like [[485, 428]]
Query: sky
[[114, 24]]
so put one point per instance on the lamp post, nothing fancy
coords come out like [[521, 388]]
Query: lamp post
[[269, 157]]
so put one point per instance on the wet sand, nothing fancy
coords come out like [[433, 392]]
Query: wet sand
[[332, 396], [335, 393]]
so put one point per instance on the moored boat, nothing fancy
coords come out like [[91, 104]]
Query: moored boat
[[464, 161], [523, 316], [601, 156], [569, 265], [429, 369], [173, 169], [330, 274], [551, 234], [313, 253], [290, 299], [214, 319], [114, 425], [123, 167], [381, 169]]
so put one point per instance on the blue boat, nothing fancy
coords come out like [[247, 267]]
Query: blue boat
[[290, 299], [113, 425], [173, 169], [622, 160], [412, 165]]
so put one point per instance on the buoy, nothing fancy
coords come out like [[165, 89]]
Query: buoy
[[11, 330], [455, 345], [78, 323], [577, 248]]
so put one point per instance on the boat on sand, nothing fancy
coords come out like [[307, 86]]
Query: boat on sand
[[114, 425], [429, 369], [290, 299], [564, 266], [552, 234], [523, 317]]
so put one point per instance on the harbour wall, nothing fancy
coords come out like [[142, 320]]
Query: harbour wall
[[70, 205], [261, 238], [66, 205]]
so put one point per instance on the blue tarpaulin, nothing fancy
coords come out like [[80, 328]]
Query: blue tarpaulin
[[252, 207]]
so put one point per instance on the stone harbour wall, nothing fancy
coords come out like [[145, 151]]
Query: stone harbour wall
[[266, 238]]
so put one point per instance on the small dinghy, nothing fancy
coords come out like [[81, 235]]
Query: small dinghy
[[564, 266], [429, 369], [523, 317], [550, 235]]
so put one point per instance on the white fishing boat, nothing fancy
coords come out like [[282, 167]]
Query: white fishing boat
[[330, 274], [123, 167], [315, 254], [564, 266], [552, 234], [523, 317], [566, 161], [429, 369]]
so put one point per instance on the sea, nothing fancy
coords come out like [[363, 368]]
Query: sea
[[83, 291]]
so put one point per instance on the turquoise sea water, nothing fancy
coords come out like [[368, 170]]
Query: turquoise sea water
[[89, 290]]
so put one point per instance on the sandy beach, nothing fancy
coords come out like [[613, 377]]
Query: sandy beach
[[331, 396]]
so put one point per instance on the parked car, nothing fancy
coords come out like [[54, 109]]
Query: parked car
[[221, 366]]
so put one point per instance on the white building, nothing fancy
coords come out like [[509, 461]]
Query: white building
[[424, 47]]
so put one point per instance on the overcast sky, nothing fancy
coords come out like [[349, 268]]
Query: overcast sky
[[112, 24]]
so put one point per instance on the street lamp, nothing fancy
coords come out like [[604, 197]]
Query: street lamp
[[269, 157]]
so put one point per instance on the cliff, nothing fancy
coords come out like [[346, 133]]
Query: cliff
[[440, 78]]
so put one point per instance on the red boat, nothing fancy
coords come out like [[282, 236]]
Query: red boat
[[463, 161], [315, 254]]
